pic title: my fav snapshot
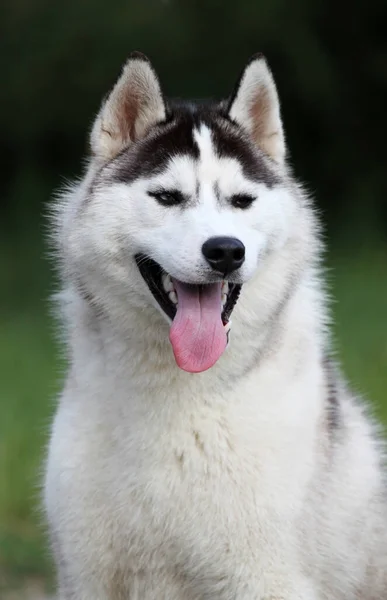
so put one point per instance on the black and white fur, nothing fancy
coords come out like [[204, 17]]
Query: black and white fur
[[259, 479]]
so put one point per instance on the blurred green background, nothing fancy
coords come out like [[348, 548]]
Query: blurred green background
[[57, 60]]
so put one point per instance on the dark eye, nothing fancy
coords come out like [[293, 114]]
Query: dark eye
[[167, 197], [241, 200]]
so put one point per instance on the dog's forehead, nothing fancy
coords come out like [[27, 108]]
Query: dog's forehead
[[200, 136]]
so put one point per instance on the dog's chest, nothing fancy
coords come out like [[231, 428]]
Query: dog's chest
[[201, 487]]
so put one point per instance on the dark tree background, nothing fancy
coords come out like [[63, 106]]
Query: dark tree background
[[329, 58]]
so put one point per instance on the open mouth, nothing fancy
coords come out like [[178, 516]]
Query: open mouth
[[200, 314]]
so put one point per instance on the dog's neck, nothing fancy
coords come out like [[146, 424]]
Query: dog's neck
[[137, 357]]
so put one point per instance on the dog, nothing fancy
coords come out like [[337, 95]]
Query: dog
[[205, 444]]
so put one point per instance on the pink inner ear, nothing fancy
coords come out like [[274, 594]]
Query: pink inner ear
[[259, 114], [134, 105], [129, 116], [264, 131]]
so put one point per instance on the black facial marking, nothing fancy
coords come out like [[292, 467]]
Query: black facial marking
[[231, 142], [151, 155], [175, 136]]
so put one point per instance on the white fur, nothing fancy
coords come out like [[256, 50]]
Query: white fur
[[224, 485]]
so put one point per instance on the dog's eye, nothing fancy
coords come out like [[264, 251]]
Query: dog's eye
[[242, 200], [167, 198]]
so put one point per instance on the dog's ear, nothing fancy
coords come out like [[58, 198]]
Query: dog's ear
[[133, 106], [254, 105]]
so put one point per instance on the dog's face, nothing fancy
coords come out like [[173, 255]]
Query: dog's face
[[185, 204]]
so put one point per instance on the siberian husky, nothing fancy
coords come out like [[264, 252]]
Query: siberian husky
[[204, 445]]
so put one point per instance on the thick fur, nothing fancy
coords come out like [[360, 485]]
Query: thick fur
[[259, 479]]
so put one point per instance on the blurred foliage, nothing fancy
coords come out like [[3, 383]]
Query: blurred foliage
[[58, 59]]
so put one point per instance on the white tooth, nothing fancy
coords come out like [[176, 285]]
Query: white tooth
[[225, 287], [224, 299], [167, 282], [173, 297]]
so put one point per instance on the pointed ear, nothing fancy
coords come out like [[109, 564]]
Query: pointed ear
[[133, 106], [255, 107]]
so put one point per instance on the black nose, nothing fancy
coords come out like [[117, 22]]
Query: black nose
[[224, 254]]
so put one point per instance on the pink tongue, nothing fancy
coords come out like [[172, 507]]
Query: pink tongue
[[197, 334]]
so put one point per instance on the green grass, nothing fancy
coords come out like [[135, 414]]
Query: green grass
[[30, 373], [358, 284]]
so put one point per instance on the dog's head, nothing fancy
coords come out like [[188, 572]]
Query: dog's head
[[183, 204]]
